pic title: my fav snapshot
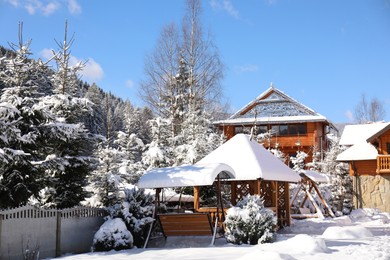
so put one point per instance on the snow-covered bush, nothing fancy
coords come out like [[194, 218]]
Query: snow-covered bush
[[113, 234], [249, 222], [136, 210]]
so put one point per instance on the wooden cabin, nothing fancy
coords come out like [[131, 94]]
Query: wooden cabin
[[293, 126], [368, 155]]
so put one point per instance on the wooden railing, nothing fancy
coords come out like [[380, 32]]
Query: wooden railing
[[383, 164], [212, 211]]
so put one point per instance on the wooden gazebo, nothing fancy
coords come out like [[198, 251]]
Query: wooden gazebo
[[257, 171], [243, 164]]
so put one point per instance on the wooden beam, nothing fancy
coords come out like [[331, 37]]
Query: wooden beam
[[196, 198], [323, 200]]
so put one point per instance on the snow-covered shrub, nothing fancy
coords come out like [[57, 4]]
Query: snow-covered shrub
[[249, 222], [113, 234], [136, 210]]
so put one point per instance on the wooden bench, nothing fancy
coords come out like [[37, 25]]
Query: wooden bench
[[186, 224]]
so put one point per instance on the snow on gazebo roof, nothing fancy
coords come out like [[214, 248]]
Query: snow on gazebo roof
[[250, 161], [185, 176], [358, 152]]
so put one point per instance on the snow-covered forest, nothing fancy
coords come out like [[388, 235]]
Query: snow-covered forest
[[65, 142]]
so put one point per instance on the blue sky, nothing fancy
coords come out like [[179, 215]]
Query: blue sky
[[325, 54]]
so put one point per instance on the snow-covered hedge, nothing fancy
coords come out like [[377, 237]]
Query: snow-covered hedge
[[113, 234], [249, 222], [136, 210]]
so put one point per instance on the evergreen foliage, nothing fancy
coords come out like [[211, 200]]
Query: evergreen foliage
[[249, 222], [136, 210], [112, 235]]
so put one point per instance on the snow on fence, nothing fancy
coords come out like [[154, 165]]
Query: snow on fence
[[52, 232]]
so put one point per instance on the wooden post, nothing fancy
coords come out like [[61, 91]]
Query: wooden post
[[196, 198], [287, 199], [323, 200], [233, 188], [58, 234]]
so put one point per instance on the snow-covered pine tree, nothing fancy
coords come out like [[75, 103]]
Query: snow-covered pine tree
[[249, 222], [298, 161], [107, 181], [341, 183], [131, 165], [68, 144], [159, 152], [136, 210], [24, 83]]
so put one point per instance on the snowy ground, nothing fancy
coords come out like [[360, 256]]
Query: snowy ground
[[365, 234]]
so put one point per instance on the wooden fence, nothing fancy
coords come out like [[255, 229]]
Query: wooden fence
[[52, 232]]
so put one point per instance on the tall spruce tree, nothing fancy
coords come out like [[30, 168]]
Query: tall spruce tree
[[21, 119], [69, 144]]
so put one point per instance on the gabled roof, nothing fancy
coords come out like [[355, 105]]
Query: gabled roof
[[250, 161], [359, 138], [358, 152], [274, 103], [273, 107], [379, 133], [354, 134]]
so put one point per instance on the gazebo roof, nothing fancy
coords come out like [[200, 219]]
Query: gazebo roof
[[185, 176], [250, 161]]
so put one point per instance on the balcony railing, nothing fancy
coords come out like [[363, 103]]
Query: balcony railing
[[383, 164]]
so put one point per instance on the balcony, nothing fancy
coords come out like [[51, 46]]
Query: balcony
[[383, 164]]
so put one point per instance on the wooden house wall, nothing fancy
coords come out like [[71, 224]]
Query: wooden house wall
[[384, 140], [367, 167], [315, 137]]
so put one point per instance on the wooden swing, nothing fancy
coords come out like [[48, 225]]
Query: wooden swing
[[307, 184], [189, 224]]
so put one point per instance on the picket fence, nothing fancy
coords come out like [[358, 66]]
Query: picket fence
[[50, 232]]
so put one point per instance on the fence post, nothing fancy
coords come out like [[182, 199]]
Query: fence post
[[1, 223], [58, 234]]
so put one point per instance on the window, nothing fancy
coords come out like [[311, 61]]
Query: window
[[283, 130], [238, 129], [294, 129], [302, 129], [262, 129], [275, 130], [388, 148]]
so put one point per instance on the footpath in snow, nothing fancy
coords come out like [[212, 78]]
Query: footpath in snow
[[365, 234]]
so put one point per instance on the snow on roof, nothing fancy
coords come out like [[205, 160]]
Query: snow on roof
[[184, 176], [250, 161], [358, 152], [316, 176], [354, 134], [279, 119]]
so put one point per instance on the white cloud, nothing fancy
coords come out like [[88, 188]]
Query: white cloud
[[34, 6], [92, 71], [272, 2], [349, 115], [46, 53], [45, 7], [229, 8], [129, 83], [247, 68], [50, 8], [226, 6], [14, 3], [74, 7]]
